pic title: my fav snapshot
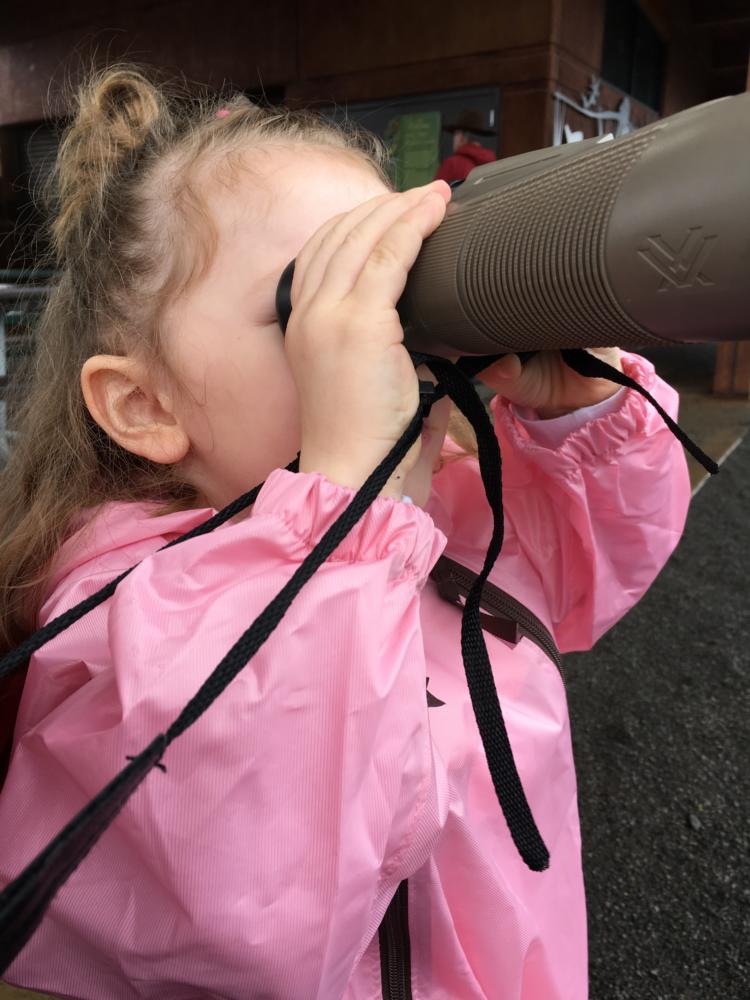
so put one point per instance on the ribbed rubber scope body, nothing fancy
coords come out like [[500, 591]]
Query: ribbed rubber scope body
[[629, 242]]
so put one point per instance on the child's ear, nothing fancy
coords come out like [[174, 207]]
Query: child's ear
[[123, 399]]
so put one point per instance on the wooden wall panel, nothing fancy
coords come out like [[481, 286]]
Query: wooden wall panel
[[579, 31], [688, 65], [525, 112], [488, 69], [663, 14], [22, 21], [526, 119], [231, 44], [325, 50], [337, 39]]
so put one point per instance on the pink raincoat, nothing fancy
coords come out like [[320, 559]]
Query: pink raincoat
[[261, 864]]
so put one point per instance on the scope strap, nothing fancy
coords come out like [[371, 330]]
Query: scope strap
[[593, 367], [19, 656], [585, 363], [24, 901], [481, 684]]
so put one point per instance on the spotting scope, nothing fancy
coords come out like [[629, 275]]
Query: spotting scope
[[631, 242]]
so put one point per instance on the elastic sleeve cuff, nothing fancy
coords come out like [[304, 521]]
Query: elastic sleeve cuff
[[308, 504], [552, 432], [599, 437]]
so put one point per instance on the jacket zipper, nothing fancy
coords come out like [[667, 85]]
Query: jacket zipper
[[454, 582], [395, 948]]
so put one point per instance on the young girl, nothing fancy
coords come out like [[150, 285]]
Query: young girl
[[262, 862]]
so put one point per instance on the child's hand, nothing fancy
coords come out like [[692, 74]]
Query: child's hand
[[357, 386], [546, 384]]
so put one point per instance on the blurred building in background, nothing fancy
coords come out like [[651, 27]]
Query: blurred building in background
[[538, 72], [378, 63]]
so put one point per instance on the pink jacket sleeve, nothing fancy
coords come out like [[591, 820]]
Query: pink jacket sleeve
[[292, 809], [589, 523]]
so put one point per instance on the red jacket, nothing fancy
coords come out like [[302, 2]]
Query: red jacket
[[463, 161]]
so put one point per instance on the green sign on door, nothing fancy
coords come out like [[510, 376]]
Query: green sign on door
[[414, 144]]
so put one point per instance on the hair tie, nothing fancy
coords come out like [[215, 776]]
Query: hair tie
[[222, 112]]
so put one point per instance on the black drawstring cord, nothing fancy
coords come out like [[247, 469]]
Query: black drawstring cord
[[19, 656], [593, 367], [481, 683], [24, 901], [269, 618]]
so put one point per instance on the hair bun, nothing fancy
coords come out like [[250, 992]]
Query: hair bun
[[124, 104], [117, 110]]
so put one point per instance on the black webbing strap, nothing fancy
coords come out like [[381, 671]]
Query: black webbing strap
[[19, 656], [593, 367], [25, 900], [481, 684]]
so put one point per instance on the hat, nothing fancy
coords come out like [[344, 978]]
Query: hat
[[470, 120]]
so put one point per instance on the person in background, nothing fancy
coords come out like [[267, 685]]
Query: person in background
[[467, 152]]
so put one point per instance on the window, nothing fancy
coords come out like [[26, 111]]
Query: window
[[381, 116], [633, 55]]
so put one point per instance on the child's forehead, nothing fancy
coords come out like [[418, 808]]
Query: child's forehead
[[289, 192]]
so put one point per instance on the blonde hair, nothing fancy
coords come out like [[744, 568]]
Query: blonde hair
[[129, 231]]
